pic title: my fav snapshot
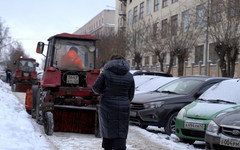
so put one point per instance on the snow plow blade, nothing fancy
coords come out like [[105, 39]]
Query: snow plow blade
[[74, 119]]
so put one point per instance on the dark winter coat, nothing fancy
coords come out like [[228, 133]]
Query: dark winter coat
[[117, 87]]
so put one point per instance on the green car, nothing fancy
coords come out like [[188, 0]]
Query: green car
[[193, 119]]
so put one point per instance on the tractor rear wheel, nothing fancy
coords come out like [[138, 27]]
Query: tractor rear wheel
[[48, 123]]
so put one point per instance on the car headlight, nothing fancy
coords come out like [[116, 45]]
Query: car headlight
[[212, 127], [153, 104], [181, 113]]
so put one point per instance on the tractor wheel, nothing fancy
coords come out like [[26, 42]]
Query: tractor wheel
[[170, 124], [97, 129], [48, 123], [14, 87], [35, 97]]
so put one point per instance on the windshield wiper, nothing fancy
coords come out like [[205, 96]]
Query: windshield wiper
[[170, 92], [200, 99], [219, 100]]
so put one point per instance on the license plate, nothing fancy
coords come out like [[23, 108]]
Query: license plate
[[229, 142], [191, 125], [72, 79], [25, 74], [133, 113]]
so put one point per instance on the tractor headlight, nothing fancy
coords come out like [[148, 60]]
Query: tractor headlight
[[153, 104], [181, 113], [212, 127]]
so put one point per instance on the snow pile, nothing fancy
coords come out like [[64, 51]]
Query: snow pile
[[16, 130]]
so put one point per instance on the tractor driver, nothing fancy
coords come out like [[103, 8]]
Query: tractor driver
[[71, 58]]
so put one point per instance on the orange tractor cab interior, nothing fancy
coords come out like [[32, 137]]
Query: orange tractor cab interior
[[64, 100]]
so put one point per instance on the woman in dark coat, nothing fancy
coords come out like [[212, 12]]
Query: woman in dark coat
[[117, 87]]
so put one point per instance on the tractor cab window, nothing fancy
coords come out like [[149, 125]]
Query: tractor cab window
[[26, 65], [73, 55]]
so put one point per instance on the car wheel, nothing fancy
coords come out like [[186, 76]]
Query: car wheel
[[143, 126], [189, 141], [170, 124]]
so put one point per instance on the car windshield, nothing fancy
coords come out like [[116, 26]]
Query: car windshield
[[73, 55], [26, 65], [180, 86], [224, 92]]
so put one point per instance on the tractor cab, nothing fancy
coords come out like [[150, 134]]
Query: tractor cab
[[71, 55]]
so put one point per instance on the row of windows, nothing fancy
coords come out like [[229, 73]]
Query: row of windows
[[199, 50], [140, 15]]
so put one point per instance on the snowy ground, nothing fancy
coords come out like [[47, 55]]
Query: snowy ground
[[18, 131]]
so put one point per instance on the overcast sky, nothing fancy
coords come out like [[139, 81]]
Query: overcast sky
[[31, 21]]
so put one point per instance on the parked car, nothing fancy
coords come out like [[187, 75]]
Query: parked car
[[192, 121], [160, 107], [154, 73], [139, 80], [224, 132], [152, 84]]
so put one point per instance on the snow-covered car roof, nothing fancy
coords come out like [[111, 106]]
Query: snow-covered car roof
[[226, 90]]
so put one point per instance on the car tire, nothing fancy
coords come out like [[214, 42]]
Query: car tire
[[143, 126], [170, 124], [189, 141]]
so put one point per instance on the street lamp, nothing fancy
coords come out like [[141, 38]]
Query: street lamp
[[206, 51]]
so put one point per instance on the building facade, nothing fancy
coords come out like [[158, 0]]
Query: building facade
[[173, 12], [101, 24]]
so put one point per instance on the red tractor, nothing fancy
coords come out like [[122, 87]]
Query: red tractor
[[64, 100], [25, 75]]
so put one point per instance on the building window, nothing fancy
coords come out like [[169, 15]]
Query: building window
[[233, 8], [156, 5], [164, 28], [130, 17], [174, 24], [146, 60], [156, 29], [148, 7], [154, 59], [212, 53], [185, 20], [201, 10], [173, 1], [164, 3], [135, 14], [216, 9], [141, 10], [198, 54]]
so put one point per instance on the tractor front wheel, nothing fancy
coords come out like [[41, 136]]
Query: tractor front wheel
[[48, 123]]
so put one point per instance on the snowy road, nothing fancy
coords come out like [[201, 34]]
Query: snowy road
[[138, 139]]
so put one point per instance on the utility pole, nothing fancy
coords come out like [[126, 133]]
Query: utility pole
[[206, 50]]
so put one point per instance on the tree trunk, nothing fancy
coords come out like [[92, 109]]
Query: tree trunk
[[180, 66]]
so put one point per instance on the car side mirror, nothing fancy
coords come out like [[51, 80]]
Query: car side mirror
[[40, 47]]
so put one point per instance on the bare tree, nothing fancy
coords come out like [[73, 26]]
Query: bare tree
[[154, 42], [225, 31], [135, 38], [110, 44], [181, 38]]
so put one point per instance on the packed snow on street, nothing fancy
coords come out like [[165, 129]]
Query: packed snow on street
[[18, 131]]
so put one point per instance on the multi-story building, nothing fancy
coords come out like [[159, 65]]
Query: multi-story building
[[178, 12], [101, 24]]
